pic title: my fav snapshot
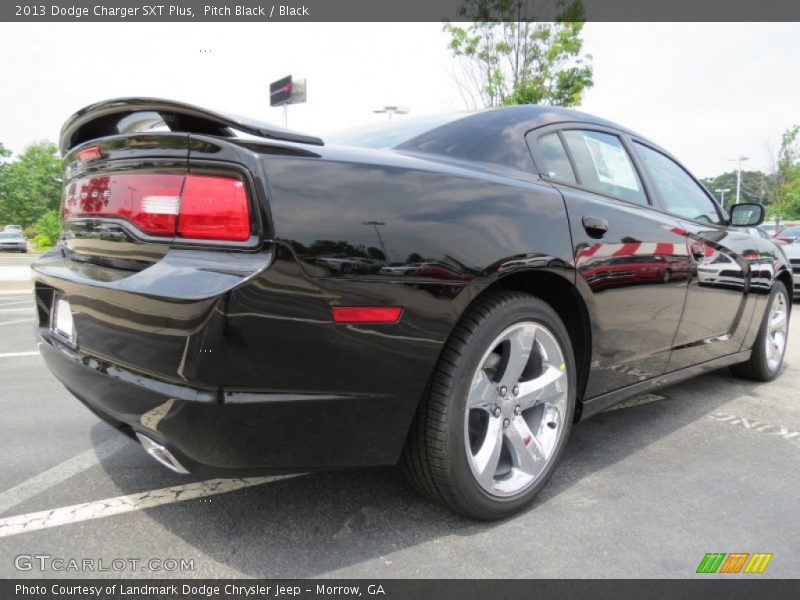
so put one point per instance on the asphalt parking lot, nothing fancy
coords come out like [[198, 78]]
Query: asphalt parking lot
[[645, 490]]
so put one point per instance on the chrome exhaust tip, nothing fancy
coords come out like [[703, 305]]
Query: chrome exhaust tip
[[161, 454]]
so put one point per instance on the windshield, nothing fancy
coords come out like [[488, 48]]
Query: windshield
[[391, 133], [10, 236]]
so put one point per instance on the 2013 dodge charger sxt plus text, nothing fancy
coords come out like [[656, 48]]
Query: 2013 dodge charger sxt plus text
[[448, 293]]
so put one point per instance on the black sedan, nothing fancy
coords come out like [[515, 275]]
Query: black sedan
[[509, 272]]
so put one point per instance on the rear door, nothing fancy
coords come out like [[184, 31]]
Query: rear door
[[717, 312], [631, 258]]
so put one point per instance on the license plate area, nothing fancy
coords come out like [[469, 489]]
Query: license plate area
[[62, 324]]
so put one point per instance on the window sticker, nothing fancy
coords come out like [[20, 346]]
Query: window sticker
[[611, 163]]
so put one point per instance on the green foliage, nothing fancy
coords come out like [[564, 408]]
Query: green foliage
[[48, 229], [30, 184], [756, 187], [787, 175], [509, 58]]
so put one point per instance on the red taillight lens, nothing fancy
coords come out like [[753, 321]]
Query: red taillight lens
[[191, 206], [149, 201], [214, 208], [90, 153], [366, 314]]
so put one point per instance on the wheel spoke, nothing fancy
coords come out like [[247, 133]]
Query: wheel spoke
[[488, 455], [520, 344], [482, 391], [778, 321], [545, 389], [529, 457]]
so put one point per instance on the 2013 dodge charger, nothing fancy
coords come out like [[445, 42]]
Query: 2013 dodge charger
[[448, 293]]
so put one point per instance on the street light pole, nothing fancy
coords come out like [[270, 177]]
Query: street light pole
[[375, 224], [391, 110], [721, 192], [739, 175]]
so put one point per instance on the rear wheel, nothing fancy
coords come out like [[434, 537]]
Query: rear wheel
[[769, 348], [499, 409]]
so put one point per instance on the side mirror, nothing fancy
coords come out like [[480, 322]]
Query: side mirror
[[747, 214]]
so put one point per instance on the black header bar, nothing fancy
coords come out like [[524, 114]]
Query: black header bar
[[389, 10]]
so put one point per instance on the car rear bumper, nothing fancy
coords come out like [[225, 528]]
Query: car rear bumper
[[226, 433], [233, 362]]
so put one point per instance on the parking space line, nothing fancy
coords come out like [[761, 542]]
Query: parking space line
[[59, 473], [15, 354], [15, 303], [17, 321], [123, 504], [25, 292], [8, 310]]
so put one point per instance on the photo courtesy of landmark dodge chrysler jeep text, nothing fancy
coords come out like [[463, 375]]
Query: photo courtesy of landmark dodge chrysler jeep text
[[449, 293]]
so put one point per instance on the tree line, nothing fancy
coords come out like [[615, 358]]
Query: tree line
[[30, 191]]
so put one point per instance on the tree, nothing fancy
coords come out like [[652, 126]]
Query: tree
[[30, 184], [756, 187], [507, 57], [786, 175], [48, 229]]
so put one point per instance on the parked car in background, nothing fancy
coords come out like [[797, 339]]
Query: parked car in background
[[758, 232], [769, 228], [792, 252], [194, 302], [788, 235], [13, 240], [17, 228]]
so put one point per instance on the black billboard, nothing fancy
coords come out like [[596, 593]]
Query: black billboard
[[280, 92]]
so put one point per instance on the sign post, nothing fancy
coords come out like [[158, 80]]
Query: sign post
[[284, 92]]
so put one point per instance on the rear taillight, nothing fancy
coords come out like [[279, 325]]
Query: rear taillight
[[192, 206], [214, 208]]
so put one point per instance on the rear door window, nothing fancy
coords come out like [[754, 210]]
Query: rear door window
[[603, 165], [556, 162]]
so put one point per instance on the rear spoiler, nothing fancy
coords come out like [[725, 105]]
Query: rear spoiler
[[130, 115]]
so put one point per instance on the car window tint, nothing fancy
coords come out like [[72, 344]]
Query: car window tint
[[682, 196], [603, 165], [556, 162]]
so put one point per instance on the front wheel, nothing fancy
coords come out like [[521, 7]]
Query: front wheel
[[498, 411], [769, 348]]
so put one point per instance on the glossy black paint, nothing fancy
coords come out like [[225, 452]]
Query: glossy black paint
[[228, 354]]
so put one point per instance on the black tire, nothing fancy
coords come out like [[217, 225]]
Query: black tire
[[434, 459], [757, 368]]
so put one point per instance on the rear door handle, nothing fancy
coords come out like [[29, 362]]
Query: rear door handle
[[595, 226]]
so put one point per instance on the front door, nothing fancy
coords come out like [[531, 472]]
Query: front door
[[717, 312], [631, 258]]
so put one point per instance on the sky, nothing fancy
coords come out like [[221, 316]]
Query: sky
[[707, 92]]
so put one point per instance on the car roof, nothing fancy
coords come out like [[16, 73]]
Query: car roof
[[495, 136]]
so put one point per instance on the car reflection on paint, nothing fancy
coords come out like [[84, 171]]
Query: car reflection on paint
[[624, 270]]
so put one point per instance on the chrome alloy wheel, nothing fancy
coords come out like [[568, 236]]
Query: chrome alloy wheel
[[516, 407], [777, 328]]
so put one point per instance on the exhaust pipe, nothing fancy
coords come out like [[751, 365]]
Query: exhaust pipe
[[161, 454]]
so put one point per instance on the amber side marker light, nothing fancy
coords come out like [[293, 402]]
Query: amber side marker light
[[366, 314]]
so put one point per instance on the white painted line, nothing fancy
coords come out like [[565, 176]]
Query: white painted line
[[16, 354], [17, 321], [61, 472], [123, 504], [4, 304], [7, 310], [21, 292]]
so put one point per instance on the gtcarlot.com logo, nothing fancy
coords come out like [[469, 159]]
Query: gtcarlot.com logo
[[734, 562]]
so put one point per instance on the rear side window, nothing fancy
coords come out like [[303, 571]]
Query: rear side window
[[556, 162], [603, 165], [680, 193]]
